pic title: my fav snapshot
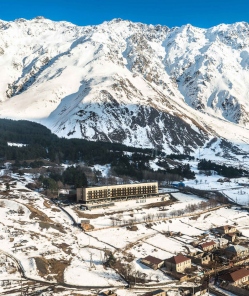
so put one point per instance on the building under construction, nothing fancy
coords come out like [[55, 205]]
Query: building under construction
[[113, 192]]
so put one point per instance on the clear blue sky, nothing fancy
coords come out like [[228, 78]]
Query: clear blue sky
[[200, 13]]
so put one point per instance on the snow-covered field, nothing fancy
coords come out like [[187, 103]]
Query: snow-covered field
[[41, 237]]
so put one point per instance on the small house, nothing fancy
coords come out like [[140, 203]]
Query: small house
[[195, 291], [158, 292], [108, 293], [236, 251], [178, 263], [231, 237], [208, 246], [202, 258], [226, 229], [237, 277], [222, 242], [152, 262]]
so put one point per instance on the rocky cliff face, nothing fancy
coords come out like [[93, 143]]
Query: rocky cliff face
[[143, 85]]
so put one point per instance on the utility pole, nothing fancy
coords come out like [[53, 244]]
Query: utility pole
[[101, 258], [128, 272], [135, 278], [21, 286], [91, 258], [105, 255]]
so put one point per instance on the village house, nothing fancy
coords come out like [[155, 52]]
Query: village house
[[236, 251], [196, 291], [226, 229], [222, 242], [152, 262], [237, 277], [108, 293], [202, 258], [208, 246], [158, 292], [178, 263], [230, 236]]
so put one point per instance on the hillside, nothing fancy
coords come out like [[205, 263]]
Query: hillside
[[176, 89]]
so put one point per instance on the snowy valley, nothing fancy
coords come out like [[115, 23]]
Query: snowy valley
[[42, 249], [123, 103]]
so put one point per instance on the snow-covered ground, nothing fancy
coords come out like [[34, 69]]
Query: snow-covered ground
[[16, 144], [109, 65], [36, 232]]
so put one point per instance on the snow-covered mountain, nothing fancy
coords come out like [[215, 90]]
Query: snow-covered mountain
[[175, 89]]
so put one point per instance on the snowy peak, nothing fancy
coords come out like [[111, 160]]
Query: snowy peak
[[128, 82]]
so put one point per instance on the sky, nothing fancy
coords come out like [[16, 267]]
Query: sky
[[199, 13]]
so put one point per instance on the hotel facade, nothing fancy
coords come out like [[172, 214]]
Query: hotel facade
[[124, 191]]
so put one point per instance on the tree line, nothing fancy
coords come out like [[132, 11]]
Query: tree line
[[39, 142], [40, 145], [223, 170]]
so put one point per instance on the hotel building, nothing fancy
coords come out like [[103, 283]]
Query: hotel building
[[124, 191]]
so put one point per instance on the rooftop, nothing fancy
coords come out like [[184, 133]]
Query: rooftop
[[226, 227], [152, 259], [177, 259], [207, 244], [235, 276], [151, 293], [236, 249]]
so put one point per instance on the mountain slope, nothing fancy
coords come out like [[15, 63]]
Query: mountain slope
[[142, 85]]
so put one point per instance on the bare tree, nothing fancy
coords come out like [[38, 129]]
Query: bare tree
[[113, 221], [143, 276], [20, 210]]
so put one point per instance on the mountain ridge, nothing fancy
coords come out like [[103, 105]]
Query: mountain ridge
[[142, 85]]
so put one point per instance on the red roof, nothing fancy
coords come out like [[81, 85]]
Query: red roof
[[235, 276], [177, 259]]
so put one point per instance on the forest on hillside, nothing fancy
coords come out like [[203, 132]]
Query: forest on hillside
[[41, 143], [227, 171], [39, 146]]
